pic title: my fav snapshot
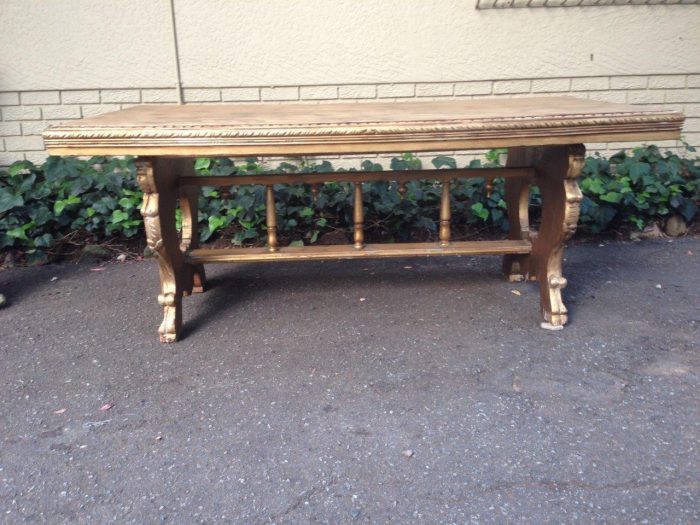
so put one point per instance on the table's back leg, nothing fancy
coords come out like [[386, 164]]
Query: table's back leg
[[158, 180], [517, 197], [189, 197], [556, 171]]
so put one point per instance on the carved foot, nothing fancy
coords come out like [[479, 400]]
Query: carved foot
[[553, 309], [169, 329]]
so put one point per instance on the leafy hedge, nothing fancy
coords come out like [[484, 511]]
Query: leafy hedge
[[40, 206]]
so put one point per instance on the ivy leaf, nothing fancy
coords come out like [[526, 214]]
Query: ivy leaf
[[638, 170], [119, 216], [612, 196], [687, 208], [480, 211], [19, 167], [9, 200], [62, 204], [442, 160], [43, 241], [202, 163], [216, 222]]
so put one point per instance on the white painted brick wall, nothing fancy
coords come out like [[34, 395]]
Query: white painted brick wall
[[551, 85], [202, 95], [318, 92], [24, 116], [359, 91], [473, 88], [154, 96], [9, 99], [240, 94], [40, 97], [396, 90], [60, 112], [120, 96], [435, 90], [80, 97], [279, 93], [589, 83]]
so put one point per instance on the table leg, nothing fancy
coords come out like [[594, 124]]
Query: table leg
[[517, 197], [556, 171], [189, 197], [158, 179]]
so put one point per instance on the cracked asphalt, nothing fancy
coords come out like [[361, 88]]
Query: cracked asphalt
[[389, 391]]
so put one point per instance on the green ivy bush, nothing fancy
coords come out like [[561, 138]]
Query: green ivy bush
[[42, 206], [637, 189]]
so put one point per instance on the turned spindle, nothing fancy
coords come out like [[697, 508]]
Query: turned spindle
[[445, 214], [489, 188], [271, 219], [402, 189], [358, 217]]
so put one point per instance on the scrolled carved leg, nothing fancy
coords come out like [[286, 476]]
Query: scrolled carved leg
[[556, 171], [189, 197], [158, 180]]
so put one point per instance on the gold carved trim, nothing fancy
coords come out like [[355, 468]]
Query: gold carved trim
[[476, 128]]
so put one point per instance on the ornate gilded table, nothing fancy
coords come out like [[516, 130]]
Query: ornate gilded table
[[544, 138]]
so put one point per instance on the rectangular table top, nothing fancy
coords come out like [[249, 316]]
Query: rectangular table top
[[347, 128]]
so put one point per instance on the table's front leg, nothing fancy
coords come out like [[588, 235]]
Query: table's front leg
[[158, 180], [556, 171]]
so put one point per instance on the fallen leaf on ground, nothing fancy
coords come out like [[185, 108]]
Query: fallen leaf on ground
[[516, 292], [106, 406], [408, 453], [121, 257], [658, 286], [54, 279], [97, 269], [60, 411], [362, 299]]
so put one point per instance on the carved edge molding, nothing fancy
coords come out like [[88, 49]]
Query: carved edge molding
[[75, 135]]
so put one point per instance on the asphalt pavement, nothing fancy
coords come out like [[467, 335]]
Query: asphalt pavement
[[389, 391]]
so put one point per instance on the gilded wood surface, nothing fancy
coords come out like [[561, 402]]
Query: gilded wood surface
[[359, 176], [368, 251], [158, 180], [557, 169], [288, 129], [189, 197]]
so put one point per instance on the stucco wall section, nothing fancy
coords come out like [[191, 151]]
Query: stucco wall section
[[84, 44], [75, 44]]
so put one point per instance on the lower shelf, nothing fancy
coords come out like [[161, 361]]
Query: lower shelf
[[350, 252]]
